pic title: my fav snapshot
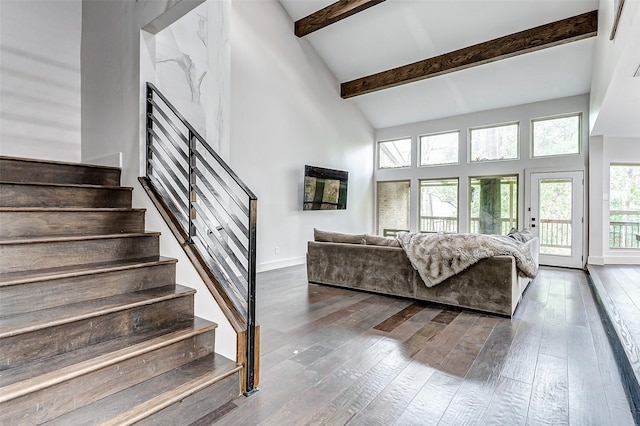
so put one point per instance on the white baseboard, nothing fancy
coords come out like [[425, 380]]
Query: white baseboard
[[269, 266], [595, 260], [622, 260]]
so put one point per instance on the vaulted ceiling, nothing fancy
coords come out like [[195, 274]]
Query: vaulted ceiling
[[394, 33]]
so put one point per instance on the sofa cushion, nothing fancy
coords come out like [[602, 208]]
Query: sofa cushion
[[337, 237], [375, 240]]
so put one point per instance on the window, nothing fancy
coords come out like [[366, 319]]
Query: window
[[556, 136], [494, 143], [624, 205], [494, 204], [439, 149], [394, 154], [438, 205], [393, 207]]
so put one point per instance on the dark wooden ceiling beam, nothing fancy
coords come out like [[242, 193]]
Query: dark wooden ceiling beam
[[556, 33], [331, 14]]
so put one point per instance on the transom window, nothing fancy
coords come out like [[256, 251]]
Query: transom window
[[394, 154], [494, 143], [439, 149], [438, 205], [556, 135]]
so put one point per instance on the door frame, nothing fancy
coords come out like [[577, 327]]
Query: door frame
[[585, 211]]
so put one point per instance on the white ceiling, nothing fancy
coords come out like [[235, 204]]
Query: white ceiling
[[398, 32]]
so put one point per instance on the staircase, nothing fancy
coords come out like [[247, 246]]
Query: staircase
[[93, 327]]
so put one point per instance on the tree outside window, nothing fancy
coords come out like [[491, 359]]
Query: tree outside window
[[438, 205], [494, 204]]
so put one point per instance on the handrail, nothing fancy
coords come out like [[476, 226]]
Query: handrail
[[209, 204]]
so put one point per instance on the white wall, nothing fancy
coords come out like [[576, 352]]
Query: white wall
[[286, 112], [522, 114], [604, 151], [112, 96], [615, 93], [40, 79]]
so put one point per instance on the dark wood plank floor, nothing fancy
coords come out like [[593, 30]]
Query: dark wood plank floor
[[618, 294], [333, 356]]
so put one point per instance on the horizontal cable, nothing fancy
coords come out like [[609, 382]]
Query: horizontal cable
[[169, 122], [214, 211], [239, 202], [228, 249], [167, 167], [229, 272], [168, 152], [171, 139]]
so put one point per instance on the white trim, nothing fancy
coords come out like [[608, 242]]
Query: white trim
[[621, 260], [595, 260], [277, 264]]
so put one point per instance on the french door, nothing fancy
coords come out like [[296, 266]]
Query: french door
[[555, 216]]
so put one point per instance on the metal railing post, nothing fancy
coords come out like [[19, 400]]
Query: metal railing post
[[192, 186], [149, 126], [251, 299]]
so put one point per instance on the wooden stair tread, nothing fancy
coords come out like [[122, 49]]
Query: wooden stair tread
[[61, 163], [37, 370], [67, 185], [146, 398], [37, 320], [22, 277], [70, 209], [57, 239]]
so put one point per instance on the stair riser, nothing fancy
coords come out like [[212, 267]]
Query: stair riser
[[62, 196], [192, 408], [38, 344], [33, 296], [14, 170], [58, 399], [42, 255], [43, 224]]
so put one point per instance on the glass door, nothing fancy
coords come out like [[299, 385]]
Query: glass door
[[555, 216]]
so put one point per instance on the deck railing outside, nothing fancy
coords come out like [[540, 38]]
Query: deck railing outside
[[553, 233], [624, 228]]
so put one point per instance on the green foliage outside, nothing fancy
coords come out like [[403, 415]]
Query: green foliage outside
[[624, 206]]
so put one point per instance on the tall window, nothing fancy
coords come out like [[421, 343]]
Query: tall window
[[494, 204], [494, 143], [624, 206], [438, 205], [556, 135], [394, 154], [393, 207], [439, 149]]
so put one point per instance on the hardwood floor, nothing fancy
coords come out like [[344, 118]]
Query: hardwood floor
[[334, 356], [617, 289]]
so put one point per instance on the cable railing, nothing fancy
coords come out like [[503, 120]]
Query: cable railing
[[215, 210]]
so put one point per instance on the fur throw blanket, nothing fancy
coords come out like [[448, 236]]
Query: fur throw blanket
[[440, 256]]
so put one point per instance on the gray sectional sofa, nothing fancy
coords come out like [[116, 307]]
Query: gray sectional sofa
[[491, 285]]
